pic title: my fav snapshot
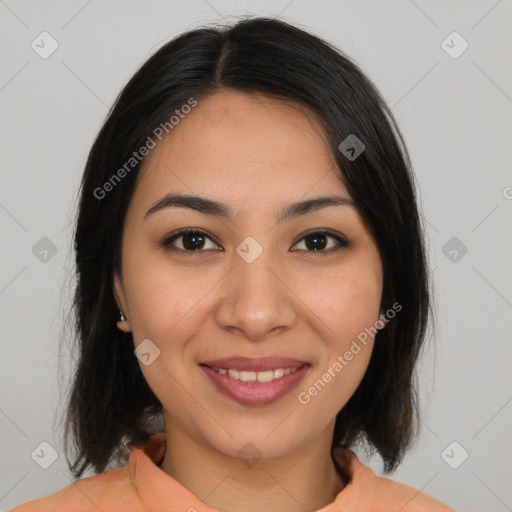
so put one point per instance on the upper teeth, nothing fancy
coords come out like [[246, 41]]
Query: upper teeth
[[265, 376]]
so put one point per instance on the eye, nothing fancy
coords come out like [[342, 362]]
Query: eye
[[194, 240], [318, 241], [190, 240]]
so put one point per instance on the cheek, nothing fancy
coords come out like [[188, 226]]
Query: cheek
[[349, 306], [163, 297], [347, 302]]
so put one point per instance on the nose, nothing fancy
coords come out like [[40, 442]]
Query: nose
[[257, 302]]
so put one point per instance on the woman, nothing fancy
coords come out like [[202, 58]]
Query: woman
[[251, 270]]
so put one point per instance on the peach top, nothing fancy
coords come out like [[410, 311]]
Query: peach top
[[142, 486]]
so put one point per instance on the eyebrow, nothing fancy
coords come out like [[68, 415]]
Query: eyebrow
[[215, 208]]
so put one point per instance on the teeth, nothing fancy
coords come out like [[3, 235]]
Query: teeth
[[278, 373], [265, 376], [233, 374]]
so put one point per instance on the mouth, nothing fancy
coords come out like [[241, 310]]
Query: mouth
[[255, 381], [250, 376]]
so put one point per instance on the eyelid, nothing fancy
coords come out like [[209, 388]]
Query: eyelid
[[342, 242], [341, 239], [184, 231]]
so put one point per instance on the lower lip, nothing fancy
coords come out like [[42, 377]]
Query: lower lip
[[255, 393]]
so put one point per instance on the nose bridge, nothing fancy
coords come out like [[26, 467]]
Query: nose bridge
[[256, 300], [254, 277], [255, 287]]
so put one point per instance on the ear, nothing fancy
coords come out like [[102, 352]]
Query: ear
[[120, 295]]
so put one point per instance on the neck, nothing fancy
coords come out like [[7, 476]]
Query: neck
[[306, 480]]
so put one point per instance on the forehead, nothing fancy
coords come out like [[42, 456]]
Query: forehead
[[239, 146]]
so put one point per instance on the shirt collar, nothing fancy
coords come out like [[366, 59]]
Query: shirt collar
[[158, 490]]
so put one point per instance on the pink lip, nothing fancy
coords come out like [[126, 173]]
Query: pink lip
[[259, 364], [255, 393]]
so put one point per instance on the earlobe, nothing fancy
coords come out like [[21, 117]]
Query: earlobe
[[123, 323]]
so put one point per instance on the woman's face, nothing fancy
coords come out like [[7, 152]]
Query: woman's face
[[250, 284]]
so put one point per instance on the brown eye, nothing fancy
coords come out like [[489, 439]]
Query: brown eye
[[189, 240], [321, 241]]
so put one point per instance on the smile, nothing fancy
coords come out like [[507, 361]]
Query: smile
[[265, 376], [248, 387]]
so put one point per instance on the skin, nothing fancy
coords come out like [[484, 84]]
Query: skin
[[256, 154]]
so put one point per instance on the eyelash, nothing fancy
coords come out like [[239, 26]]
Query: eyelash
[[167, 243]]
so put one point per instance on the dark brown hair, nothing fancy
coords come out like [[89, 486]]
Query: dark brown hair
[[110, 401]]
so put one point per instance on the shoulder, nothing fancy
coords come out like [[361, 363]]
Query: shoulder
[[408, 498], [117, 489], [103, 491], [370, 492]]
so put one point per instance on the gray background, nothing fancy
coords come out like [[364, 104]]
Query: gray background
[[455, 114]]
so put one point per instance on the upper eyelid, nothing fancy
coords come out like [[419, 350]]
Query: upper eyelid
[[187, 231], [341, 239]]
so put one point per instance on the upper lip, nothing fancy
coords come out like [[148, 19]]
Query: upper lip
[[258, 364]]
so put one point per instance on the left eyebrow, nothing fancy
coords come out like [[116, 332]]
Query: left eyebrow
[[211, 207]]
